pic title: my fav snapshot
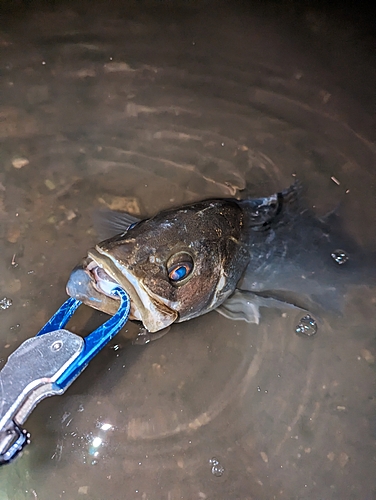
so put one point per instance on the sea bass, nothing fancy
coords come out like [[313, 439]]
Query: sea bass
[[224, 254]]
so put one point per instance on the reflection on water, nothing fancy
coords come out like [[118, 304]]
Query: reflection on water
[[145, 109]]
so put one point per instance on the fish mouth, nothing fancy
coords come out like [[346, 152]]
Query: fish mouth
[[92, 283]]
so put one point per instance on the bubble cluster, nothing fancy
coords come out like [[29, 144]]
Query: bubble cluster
[[339, 256], [5, 303], [307, 326], [217, 469]]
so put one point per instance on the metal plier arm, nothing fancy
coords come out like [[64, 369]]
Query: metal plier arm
[[46, 365]]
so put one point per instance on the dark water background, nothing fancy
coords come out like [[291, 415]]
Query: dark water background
[[145, 105]]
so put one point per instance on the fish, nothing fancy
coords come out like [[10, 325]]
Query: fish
[[232, 256]]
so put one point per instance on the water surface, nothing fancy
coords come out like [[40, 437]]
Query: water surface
[[146, 108]]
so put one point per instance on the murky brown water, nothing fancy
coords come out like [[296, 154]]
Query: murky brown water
[[146, 108]]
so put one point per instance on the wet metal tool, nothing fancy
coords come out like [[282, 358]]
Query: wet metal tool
[[46, 365]]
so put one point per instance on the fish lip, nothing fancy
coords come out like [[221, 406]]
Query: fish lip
[[154, 314]]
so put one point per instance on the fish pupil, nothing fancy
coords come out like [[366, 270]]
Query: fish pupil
[[180, 271]]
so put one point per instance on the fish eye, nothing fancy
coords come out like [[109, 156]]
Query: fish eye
[[179, 267]]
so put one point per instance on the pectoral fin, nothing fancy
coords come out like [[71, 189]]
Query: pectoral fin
[[245, 306]]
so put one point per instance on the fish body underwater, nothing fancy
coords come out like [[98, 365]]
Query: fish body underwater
[[224, 254]]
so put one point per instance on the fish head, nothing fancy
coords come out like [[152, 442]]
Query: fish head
[[175, 266]]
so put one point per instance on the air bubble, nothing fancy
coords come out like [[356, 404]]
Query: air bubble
[[340, 257], [307, 326], [217, 469]]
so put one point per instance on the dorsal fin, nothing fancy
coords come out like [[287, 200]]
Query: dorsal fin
[[263, 211], [109, 223]]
